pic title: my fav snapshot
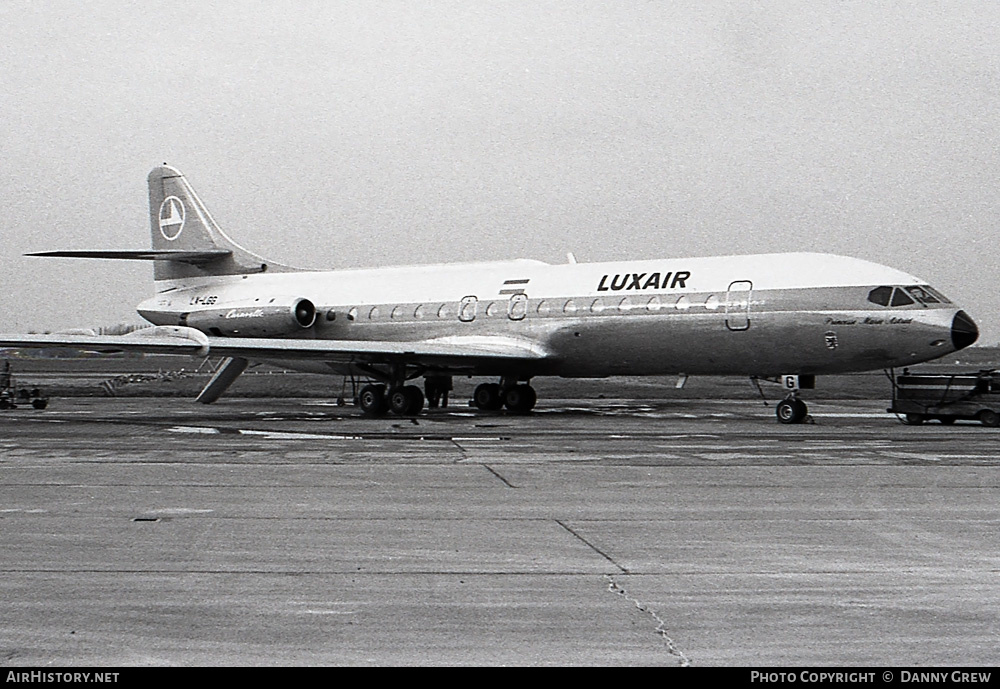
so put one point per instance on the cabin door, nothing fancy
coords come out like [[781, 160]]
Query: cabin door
[[738, 305]]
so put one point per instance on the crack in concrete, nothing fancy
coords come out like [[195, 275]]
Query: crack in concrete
[[593, 547], [661, 626], [461, 450], [499, 476]]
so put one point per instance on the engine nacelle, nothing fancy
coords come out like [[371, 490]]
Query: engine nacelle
[[265, 317]]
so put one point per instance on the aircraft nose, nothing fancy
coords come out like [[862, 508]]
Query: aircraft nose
[[963, 330]]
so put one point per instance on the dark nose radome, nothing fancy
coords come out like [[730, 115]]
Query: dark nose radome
[[963, 330]]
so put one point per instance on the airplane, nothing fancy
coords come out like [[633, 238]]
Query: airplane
[[781, 317]]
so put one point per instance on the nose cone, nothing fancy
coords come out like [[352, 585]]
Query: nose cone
[[963, 330]]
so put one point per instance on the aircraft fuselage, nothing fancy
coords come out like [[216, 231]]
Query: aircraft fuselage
[[771, 314]]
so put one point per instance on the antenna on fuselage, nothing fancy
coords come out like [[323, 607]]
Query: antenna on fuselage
[[570, 258]]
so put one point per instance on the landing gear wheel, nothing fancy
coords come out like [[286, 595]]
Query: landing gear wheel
[[791, 411], [914, 419], [407, 400], [487, 397], [989, 418], [947, 420], [520, 399], [372, 400]]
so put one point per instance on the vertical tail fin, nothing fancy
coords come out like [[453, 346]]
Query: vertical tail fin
[[179, 221]]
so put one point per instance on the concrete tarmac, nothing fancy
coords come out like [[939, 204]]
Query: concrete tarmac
[[605, 532]]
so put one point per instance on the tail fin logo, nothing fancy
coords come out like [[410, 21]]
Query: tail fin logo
[[172, 215]]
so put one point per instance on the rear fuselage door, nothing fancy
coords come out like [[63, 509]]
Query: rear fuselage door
[[738, 305]]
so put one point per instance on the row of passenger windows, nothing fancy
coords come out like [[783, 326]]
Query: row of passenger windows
[[518, 309], [904, 296]]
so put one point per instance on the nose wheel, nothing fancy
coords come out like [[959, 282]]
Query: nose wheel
[[791, 410]]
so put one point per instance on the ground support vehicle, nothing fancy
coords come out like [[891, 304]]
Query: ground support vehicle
[[947, 397], [11, 396]]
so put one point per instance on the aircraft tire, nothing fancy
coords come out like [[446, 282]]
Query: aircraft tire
[[947, 420], [372, 400], [913, 419], [791, 411], [988, 417], [406, 401], [487, 397], [416, 400], [520, 399]]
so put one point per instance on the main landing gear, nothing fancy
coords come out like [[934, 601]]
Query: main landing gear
[[378, 399], [404, 400], [519, 398]]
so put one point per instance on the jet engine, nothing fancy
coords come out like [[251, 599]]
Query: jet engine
[[265, 317]]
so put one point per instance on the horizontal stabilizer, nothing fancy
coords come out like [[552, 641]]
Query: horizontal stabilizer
[[203, 256]]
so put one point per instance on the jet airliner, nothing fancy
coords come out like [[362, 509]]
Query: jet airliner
[[785, 316]]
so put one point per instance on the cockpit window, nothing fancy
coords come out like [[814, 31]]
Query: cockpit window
[[899, 298], [940, 297], [880, 296], [922, 295]]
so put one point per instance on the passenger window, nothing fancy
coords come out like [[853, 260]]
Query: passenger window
[[880, 296], [569, 307], [352, 315], [545, 307], [444, 311], [397, 312], [419, 312], [597, 306], [492, 309], [626, 305], [683, 303], [712, 303], [653, 304], [899, 298], [373, 314]]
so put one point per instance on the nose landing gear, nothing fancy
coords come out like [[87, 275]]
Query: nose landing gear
[[791, 409]]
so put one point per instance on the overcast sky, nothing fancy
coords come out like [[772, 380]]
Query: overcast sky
[[347, 133]]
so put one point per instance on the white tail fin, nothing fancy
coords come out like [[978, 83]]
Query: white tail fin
[[180, 222]]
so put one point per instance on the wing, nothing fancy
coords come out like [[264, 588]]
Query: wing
[[459, 352]]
